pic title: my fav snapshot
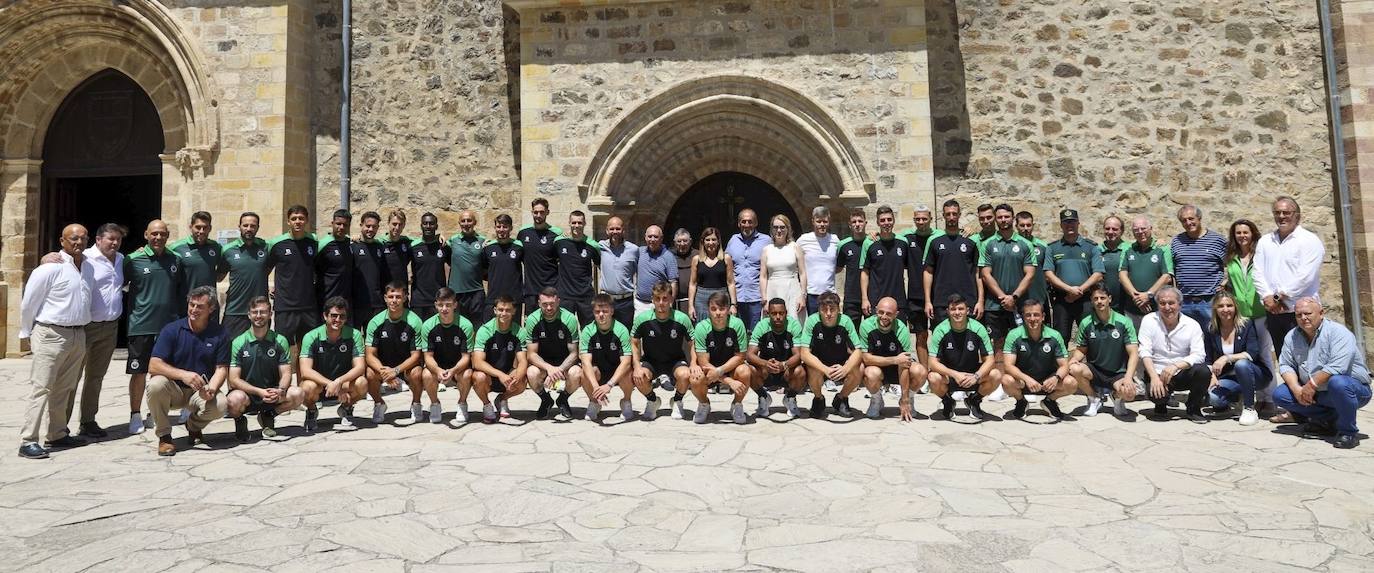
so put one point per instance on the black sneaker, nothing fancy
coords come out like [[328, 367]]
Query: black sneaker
[[268, 421], [947, 407], [838, 403], [1020, 410], [311, 420], [33, 452], [241, 429], [92, 430], [564, 407], [67, 441], [1315, 428], [974, 402], [1347, 441], [545, 403], [1161, 410], [1053, 408], [818, 407], [1197, 417]]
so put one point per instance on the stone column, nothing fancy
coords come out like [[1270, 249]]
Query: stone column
[[1353, 21], [20, 180]]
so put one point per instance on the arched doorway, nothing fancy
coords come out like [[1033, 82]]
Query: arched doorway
[[100, 160], [716, 200]]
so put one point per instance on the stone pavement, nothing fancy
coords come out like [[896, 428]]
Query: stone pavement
[[1094, 494]]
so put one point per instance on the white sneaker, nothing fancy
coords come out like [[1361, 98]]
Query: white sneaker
[[1119, 407], [790, 403], [593, 412], [875, 406], [678, 412], [1094, 404], [379, 412], [1249, 417], [185, 415], [997, 395], [925, 388], [404, 387], [488, 413], [703, 410], [627, 410], [504, 406], [345, 421], [765, 402], [651, 410], [894, 389], [665, 382], [737, 412], [135, 424], [831, 386], [416, 410], [436, 414], [460, 415]]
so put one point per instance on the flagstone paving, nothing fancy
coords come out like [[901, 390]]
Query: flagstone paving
[[1095, 494]]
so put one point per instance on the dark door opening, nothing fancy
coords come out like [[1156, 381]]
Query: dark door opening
[[716, 201]]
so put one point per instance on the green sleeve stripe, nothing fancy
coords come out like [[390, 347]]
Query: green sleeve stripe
[[237, 345], [484, 333], [309, 341], [741, 339], [759, 330], [867, 326], [925, 254], [1083, 325], [585, 337], [1131, 336], [570, 322], [808, 330], [1059, 350], [854, 339], [699, 334], [903, 331], [641, 318], [793, 328], [357, 342], [372, 326], [283, 350], [983, 254], [1015, 336], [468, 332], [624, 335], [530, 321], [683, 319], [936, 336], [981, 331]]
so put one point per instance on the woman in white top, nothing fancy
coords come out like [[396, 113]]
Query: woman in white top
[[784, 269]]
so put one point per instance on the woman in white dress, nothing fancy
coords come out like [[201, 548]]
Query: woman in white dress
[[784, 269]]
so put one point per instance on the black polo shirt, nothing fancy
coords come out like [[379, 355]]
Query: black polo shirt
[[427, 271], [503, 264], [293, 260]]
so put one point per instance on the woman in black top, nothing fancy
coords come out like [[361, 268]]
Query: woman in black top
[[1239, 367], [713, 271]]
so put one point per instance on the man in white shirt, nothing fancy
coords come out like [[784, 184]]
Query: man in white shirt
[[1173, 356], [107, 303], [1287, 268], [818, 254], [53, 315]]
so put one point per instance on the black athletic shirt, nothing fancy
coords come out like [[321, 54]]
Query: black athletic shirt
[[721, 345], [552, 336], [427, 272], [916, 266], [394, 339], [294, 263], [369, 278], [396, 254], [334, 270], [831, 344], [541, 260], [660, 341], [606, 347], [960, 350], [500, 347], [448, 342], [576, 260], [849, 256], [885, 261], [502, 263], [953, 261]]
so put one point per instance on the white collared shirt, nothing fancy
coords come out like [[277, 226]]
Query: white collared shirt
[[818, 253], [57, 294], [1290, 267], [1167, 347], [107, 295]]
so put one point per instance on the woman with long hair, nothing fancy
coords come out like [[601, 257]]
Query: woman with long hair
[[783, 268], [713, 271], [1233, 347], [1240, 262]]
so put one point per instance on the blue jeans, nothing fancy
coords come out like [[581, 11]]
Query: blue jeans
[[813, 304], [1245, 377], [1201, 311], [1338, 403], [748, 312]]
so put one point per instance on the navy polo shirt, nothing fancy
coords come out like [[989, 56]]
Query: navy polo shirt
[[202, 352]]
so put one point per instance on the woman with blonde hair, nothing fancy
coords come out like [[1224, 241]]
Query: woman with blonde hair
[[713, 271], [783, 268], [1233, 353], [1240, 280]]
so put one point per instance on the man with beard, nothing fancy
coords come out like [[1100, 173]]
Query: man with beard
[[541, 258], [369, 272]]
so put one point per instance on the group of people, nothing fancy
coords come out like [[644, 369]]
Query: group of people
[[991, 313]]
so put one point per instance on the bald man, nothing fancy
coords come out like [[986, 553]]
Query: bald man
[[154, 276], [619, 267], [465, 267], [746, 249], [656, 264]]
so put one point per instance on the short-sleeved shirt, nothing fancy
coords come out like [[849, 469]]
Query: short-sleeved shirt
[[831, 344], [334, 269], [541, 260], [818, 253], [154, 285], [1039, 287], [1074, 262], [619, 267], [660, 341], [1111, 270], [200, 352], [1199, 264], [916, 264], [960, 350], [720, 345], [503, 264], [654, 268], [849, 256], [773, 344], [887, 343], [885, 261], [552, 336], [394, 339], [1008, 259], [953, 263], [465, 262], [606, 347], [1038, 358], [448, 342], [576, 261], [200, 261], [259, 359], [500, 346], [396, 255], [369, 276], [332, 358], [981, 237], [247, 268], [1144, 265], [748, 255], [427, 270], [293, 261], [1105, 341]]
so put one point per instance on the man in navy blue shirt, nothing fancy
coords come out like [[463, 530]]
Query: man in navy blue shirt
[[190, 363]]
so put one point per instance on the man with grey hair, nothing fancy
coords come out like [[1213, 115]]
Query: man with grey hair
[[1173, 356], [682, 251], [1325, 379], [1199, 264], [1287, 268], [189, 364], [656, 264], [818, 255]]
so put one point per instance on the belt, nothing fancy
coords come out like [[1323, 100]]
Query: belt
[[621, 296], [103, 321], [1202, 298], [51, 325]]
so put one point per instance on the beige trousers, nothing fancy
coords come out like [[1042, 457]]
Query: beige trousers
[[164, 395], [58, 355], [100, 346]]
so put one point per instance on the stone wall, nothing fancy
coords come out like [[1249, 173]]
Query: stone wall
[[1134, 108]]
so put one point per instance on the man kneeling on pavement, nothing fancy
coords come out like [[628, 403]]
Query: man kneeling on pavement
[[1325, 379], [189, 365]]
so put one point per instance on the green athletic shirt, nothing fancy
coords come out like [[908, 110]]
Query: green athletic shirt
[[720, 345], [1111, 267], [448, 342], [332, 358], [1039, 288], [1008, 259], [247, 268], [260, 359], [1144, 266], [1039, 359], [465, 263], [660, 341], [1074, 262], [831, 344], [606, 347], [1105, 342], [774, 345], [154, 285], [394, 339], [960, 350], [887, 343], [500, 346], [552, 336], [200, 262]]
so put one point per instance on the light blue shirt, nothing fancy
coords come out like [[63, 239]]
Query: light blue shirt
[[747, 255], [1333, 350], [655, 268], [618, 268]]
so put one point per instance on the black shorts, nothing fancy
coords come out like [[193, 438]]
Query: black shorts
[[471, 305], [942, 314], [1102, 380], [295, 324], [257, 406], [657, 369], [498, 386], [360, 317], [999, 322], [775, 381], [581, 308], [891, 374], [140, 352], [236, 324], [916, 316], [531, 301]]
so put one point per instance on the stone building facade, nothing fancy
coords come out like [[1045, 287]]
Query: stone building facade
[[678, 110]]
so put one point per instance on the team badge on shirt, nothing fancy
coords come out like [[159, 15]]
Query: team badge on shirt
[[1115, 334], [1045, 348], [970, 346]]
